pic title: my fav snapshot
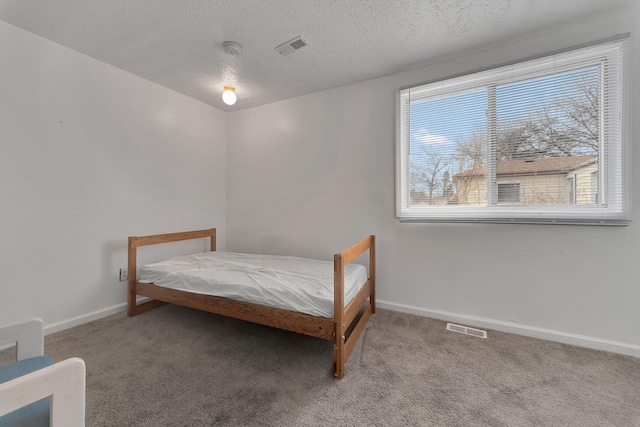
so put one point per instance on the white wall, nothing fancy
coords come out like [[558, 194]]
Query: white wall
[[313, 174], [90, 155]]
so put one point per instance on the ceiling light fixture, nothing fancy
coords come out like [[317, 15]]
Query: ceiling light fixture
[[232, 48], [229, 96]]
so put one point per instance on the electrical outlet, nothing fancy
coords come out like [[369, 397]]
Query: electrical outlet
[[124, 274]]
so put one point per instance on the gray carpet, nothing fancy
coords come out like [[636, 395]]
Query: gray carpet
[[179, 367]]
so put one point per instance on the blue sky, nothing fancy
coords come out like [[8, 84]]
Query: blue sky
[[447, 120], [438, 124]]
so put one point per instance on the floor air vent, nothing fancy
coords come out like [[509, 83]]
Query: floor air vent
[[466, 330]]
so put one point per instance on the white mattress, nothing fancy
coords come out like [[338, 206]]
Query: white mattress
[[291, 283]]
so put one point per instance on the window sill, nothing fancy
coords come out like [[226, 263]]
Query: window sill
[[537, 221]]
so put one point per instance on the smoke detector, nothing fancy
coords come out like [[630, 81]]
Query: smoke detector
[[292, 46], [232, 48]]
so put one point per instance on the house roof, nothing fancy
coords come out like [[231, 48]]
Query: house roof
[[532, 166]]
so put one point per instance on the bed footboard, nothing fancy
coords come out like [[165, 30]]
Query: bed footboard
[[352, 318]]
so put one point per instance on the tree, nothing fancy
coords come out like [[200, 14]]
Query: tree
[[470, 153], [571, 124], [514, 142], [426, 172], [447, 186], [566, 126]]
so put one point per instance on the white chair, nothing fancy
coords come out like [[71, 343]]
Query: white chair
[[34, 391]]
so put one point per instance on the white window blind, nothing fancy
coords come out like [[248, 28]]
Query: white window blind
[[538, 141]]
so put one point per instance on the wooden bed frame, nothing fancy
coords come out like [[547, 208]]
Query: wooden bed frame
[[344, 329]]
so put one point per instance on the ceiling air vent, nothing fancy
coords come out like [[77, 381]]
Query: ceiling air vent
[[292, 46]]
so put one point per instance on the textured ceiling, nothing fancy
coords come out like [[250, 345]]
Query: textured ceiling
[[178, 43]]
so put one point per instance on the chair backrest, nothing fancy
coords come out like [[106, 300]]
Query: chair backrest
[[35, 391], [28, 336]]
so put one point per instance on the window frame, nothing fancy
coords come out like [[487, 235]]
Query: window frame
[[571, 184], [614, 173]]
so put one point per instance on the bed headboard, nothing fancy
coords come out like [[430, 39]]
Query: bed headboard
[[173, 237], [135, 242]]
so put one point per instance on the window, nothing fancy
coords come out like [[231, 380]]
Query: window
[[509, 193], [538, 141]]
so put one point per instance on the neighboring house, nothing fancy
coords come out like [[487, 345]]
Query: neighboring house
[[550, 180]]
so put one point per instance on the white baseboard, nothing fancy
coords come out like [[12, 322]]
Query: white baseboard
[[85, 318], [497, 325], [89, 317], [514, 328]]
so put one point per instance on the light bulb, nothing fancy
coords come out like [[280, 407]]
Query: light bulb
[[229, 96]]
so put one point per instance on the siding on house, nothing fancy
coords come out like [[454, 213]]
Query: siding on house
[[586, 184], [555, 180]]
